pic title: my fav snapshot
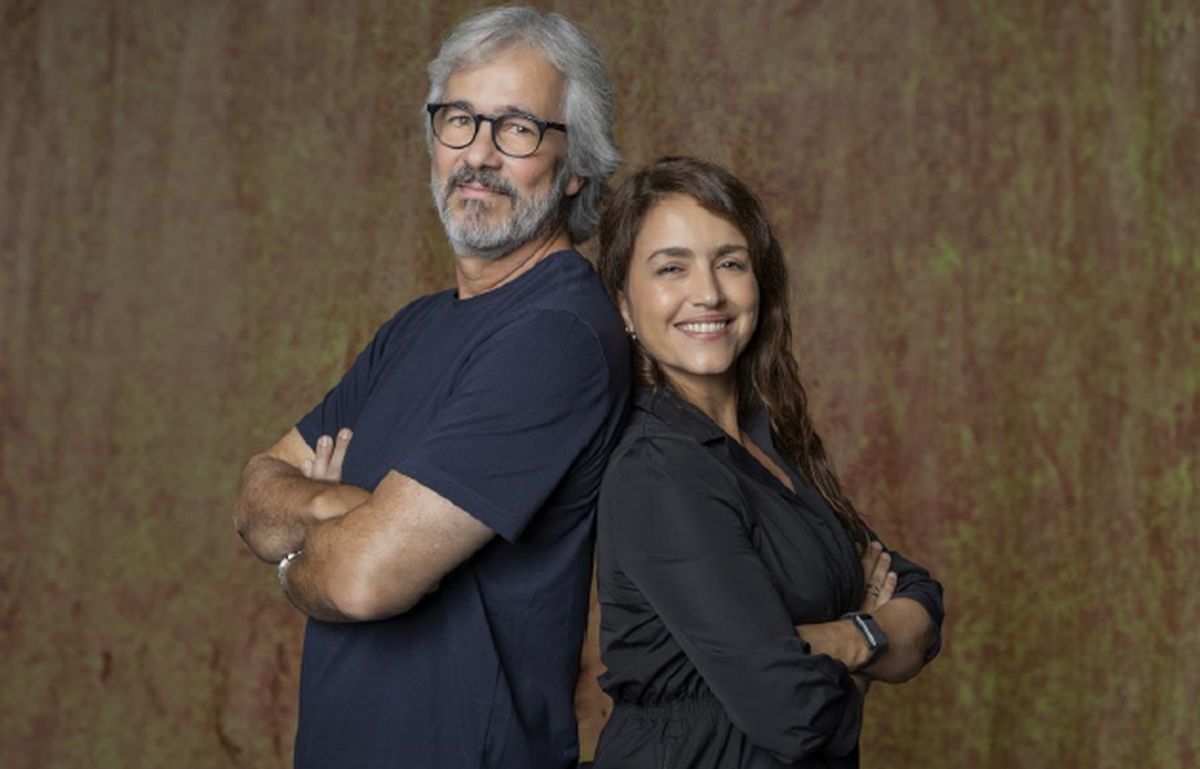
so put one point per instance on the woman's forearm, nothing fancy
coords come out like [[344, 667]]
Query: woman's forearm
[[910, 632]]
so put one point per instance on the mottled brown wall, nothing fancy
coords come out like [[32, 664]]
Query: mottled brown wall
[[991, 209]]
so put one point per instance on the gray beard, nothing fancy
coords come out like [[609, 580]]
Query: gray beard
[[472, 235]]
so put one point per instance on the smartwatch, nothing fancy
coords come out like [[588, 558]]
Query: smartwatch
[[871, 632]]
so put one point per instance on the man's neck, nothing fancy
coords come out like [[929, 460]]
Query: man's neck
[[476, 276]]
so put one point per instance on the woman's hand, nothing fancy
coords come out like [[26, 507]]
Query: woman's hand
[[879, 579], [840, 639], [880, 585]]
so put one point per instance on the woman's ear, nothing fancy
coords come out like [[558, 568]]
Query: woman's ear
[[623, 306]]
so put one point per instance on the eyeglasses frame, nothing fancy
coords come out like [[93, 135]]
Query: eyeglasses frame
[[543, 126]]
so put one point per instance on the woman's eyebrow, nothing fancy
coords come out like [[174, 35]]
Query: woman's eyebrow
[[678, 251]]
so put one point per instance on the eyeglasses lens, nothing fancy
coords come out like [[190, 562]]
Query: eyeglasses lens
[[514, 135]]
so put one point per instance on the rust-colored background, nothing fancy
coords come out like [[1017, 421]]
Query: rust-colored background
[[991, 210]]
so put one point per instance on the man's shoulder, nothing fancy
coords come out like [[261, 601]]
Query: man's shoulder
[[570, 292], [569, 282]]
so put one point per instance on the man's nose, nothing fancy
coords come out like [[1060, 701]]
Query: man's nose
[[482, 152]]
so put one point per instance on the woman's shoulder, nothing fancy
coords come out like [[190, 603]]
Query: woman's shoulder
[[652, 453], [650, 442]]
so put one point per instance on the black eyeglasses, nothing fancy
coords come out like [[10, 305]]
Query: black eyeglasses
[[514, 134]]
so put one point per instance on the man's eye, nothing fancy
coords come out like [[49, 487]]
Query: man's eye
[[458, 121]]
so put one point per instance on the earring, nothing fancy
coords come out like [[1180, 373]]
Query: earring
[[629, 330]]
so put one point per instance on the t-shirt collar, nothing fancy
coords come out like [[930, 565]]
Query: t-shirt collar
[[497, 294]]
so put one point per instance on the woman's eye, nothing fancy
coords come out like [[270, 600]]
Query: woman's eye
[[733, 264], [668, 269]]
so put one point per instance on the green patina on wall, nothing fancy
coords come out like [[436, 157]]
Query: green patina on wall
[[993, 220]]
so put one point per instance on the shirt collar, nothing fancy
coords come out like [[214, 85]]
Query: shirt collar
[[689, 419]]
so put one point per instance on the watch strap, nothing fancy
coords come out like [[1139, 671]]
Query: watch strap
[[871, 632]]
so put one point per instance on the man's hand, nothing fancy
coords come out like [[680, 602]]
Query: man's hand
[[326, 464], [287, 489]]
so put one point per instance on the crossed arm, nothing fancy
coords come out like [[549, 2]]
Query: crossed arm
[[908, 626], [362, 555]]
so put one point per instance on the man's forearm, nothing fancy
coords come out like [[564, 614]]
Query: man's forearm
[[307, 582], [381, 558], [277, 505]]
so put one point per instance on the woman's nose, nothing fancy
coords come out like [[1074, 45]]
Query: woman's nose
[[706, 288]]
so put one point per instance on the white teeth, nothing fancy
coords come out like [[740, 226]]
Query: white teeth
[[704, 328]]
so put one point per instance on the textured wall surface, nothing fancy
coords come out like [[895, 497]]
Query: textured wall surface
[[992, 212]]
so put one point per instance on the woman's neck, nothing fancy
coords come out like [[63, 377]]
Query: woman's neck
[[717, 399]]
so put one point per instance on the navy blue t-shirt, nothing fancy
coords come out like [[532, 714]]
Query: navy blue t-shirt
[[507, 404]]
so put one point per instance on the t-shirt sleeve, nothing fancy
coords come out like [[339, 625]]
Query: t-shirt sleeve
[[678, 536], [524, 407], [341, 405]]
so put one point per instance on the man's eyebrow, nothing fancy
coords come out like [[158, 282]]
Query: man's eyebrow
[[517, 109]]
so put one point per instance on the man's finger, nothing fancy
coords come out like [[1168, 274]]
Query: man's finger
[[339, 454], [321, 460], [306, 467]]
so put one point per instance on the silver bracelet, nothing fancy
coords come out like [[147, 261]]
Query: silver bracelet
[[282, 570]]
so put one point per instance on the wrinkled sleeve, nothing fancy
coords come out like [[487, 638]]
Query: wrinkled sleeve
[[681, 540], [523, 409], [913, 581]]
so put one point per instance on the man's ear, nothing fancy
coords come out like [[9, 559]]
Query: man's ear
[[574, 185]]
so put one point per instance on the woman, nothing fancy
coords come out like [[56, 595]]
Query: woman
[[733, 571]]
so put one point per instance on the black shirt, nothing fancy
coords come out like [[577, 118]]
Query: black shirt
[[706, 563], [507, 404]]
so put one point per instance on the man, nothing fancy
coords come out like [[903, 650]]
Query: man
[[443, 554]]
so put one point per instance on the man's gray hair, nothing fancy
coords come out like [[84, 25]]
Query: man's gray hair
[[588, 101]]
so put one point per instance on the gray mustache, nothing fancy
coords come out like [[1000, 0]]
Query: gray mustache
[[484, 178]]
